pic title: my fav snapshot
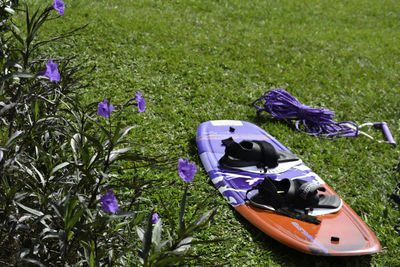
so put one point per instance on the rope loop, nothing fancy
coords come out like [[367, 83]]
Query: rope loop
[[312, 121]]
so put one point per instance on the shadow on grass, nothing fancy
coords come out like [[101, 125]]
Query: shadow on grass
[[289, 257]]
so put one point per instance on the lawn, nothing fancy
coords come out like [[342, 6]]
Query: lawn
[[195, 61]]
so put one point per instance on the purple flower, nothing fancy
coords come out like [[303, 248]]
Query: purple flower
[[141, 104], [51, 71], [109, 202], [104, 109], [59, 6], [186, 170], [154, 217]]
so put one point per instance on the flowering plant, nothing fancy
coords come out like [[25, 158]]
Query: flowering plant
[[67, 196], [156, 251]]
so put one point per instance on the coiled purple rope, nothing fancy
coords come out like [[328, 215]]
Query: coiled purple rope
[[312, 121]]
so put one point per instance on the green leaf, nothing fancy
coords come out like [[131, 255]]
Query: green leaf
[[138, 219], [42, 180], [184, 244], [7, 107], [49, 236], [93, 159], [75, 141], [115, 153], [36, 110], [26, 169], [182, 210], [33, 261], [12, 75], [15, 30], [71, 204], [199, 221], [14, 64], [140, 233], [59, 167], [147, 238], [123, 132], [91, 264], [30, 210], [88, 249], [13, 136], [36, 26], [156, 236], [9, 10], [74, 219], [94, 141], [132, 156], [125, 214], [162, 244]]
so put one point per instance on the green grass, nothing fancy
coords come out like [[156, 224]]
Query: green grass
[[202, 60]]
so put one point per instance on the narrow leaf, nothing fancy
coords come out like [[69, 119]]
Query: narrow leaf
[[9, 10], [36, 109], [123, 132], [36, 262], [26, 169], [162, 244], [48, 119], [7, 107], [13, 136], [114, 154], [182, 210], [125, 214], [156, 236], [184, 244], [147, 237], [42, 180], [58, 167], [91, 259], [16, 75], [14, 64], [50, 236], [30, 210], [16, 31], [24, 252], [203, 218], [138, 218], [74, 219], [93, 159], [140, 233], [74, 142]]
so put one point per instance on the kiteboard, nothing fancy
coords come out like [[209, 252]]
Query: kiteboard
[[339, 231]]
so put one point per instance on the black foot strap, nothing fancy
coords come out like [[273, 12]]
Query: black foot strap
[[249, 153], [268, 194]]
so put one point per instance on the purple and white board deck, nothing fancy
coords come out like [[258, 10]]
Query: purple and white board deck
[[340, 233], [234, 184]]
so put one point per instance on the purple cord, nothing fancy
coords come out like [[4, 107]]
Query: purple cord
[[312, 121]]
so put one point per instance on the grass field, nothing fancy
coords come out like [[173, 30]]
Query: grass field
[[195, 61]]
